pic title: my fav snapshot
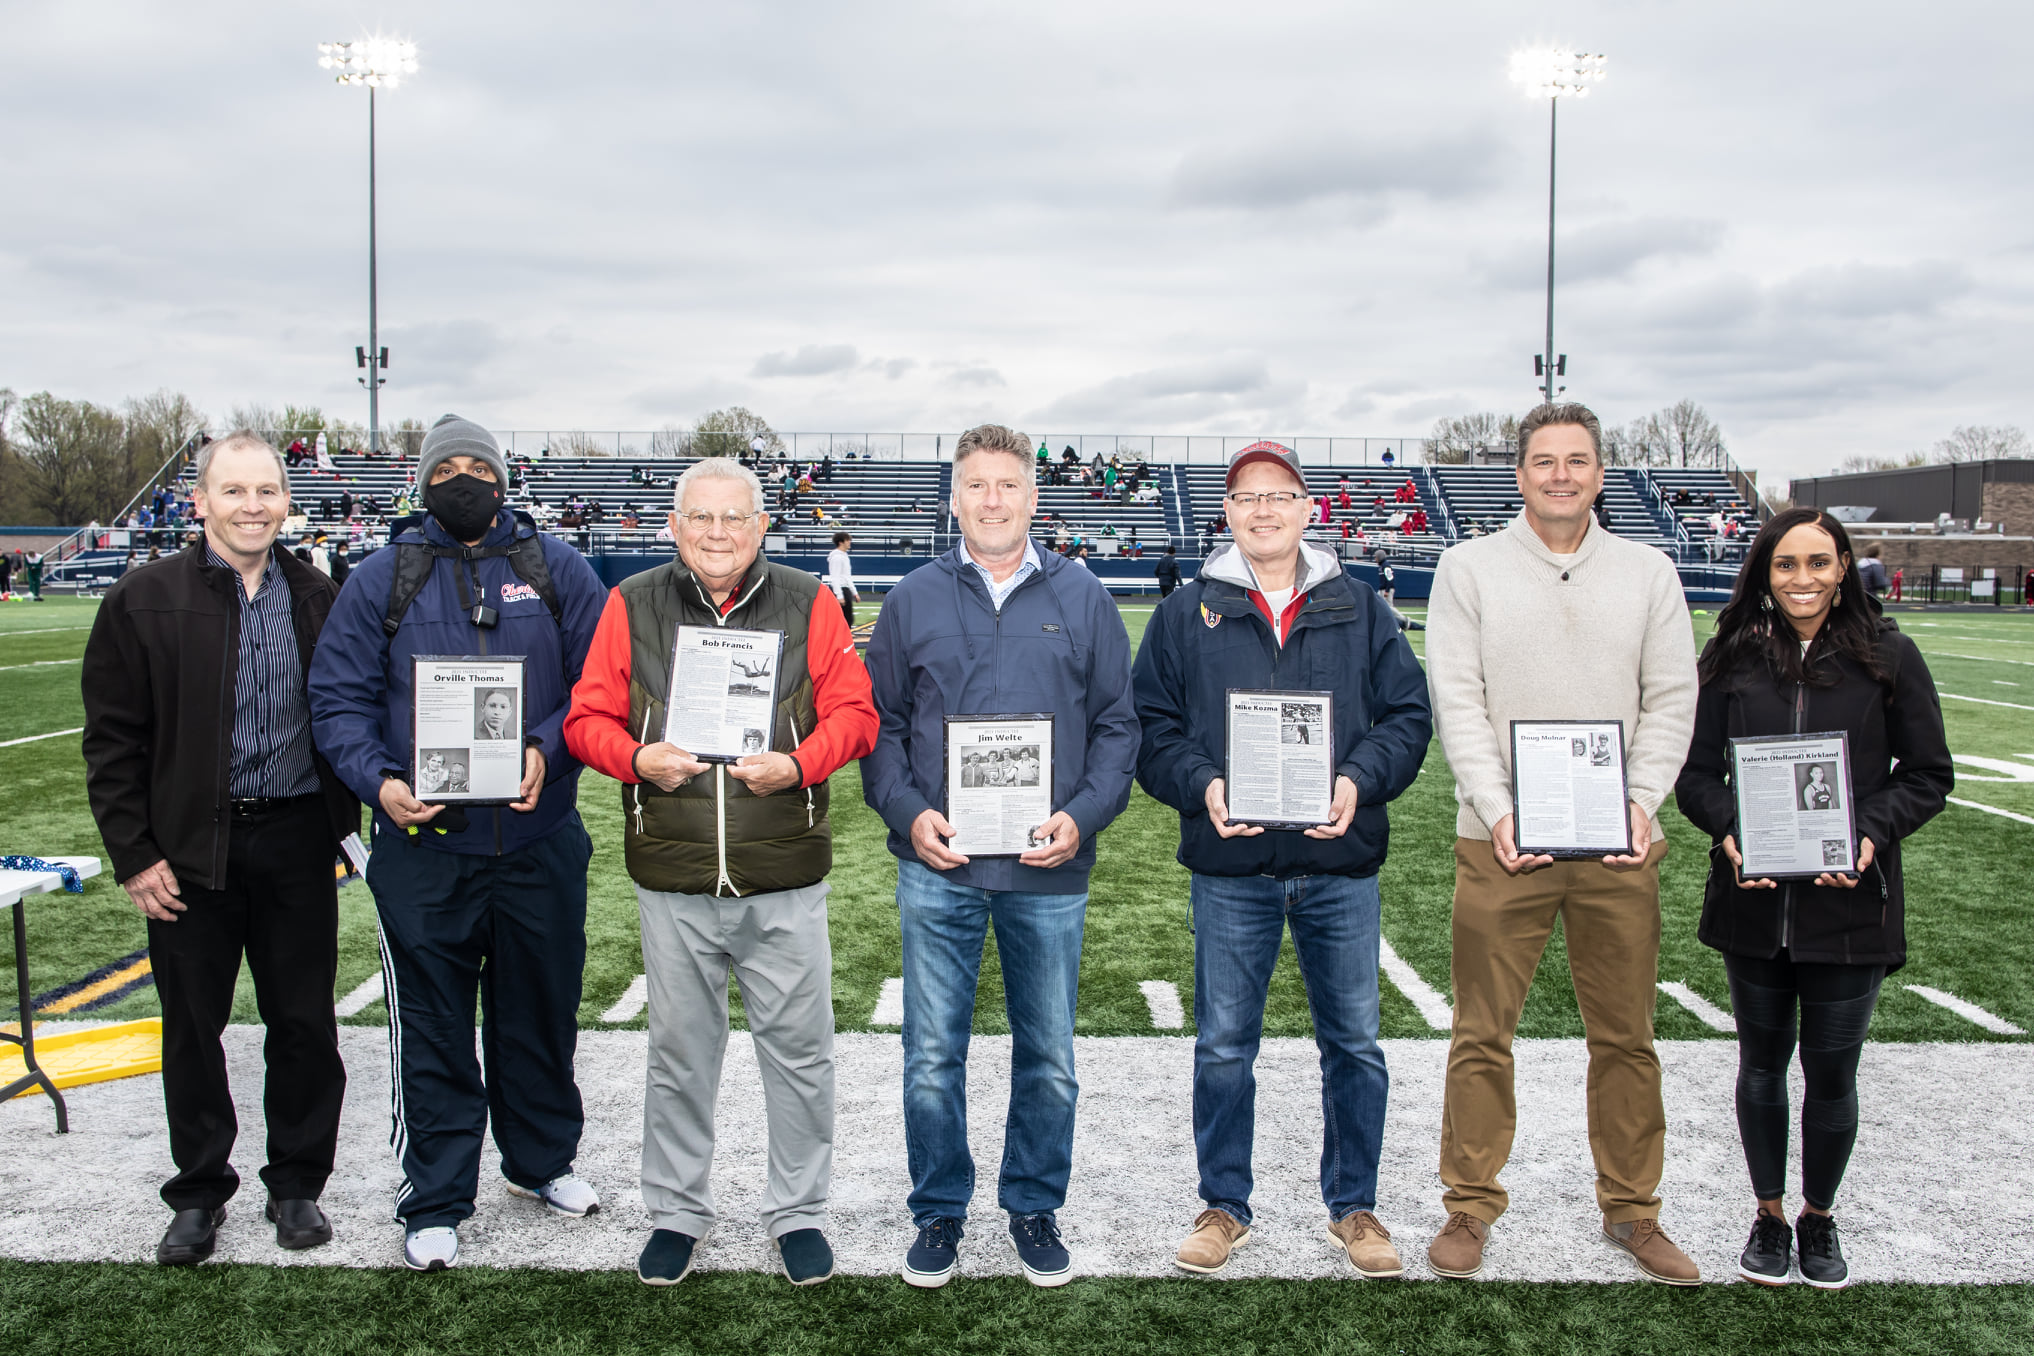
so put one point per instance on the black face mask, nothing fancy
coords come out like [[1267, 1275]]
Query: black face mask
[[464, 505]]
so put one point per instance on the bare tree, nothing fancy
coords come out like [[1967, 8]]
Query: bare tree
[[75, 455], [1983, 442], [1866, 462], [255, 417], [1457, 440], [1692, 437], [407, 439], [671, 441], [578, 443], [728, 433]]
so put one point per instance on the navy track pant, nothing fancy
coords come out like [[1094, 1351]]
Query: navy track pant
[[512, 928]]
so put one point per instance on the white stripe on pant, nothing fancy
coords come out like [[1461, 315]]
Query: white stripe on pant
[[776, 944]]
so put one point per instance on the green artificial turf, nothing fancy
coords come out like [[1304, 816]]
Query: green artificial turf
[[89, 1309]]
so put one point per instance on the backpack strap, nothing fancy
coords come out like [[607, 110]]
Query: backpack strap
[[416, 559]]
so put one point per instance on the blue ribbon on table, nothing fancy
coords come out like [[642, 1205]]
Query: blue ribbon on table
[[73, 885]]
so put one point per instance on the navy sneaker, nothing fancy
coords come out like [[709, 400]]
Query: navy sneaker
[[667, 1257], [931, 1261], [807, 1258], [1036, 1239], [1821, 1258], [1769, 1256]]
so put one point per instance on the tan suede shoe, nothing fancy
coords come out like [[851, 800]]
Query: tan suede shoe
[[1368, 1244], [1457, 1250], [1654, 1252], [1216, 1234]]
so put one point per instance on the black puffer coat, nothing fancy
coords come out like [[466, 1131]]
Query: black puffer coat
[[1903, 723]]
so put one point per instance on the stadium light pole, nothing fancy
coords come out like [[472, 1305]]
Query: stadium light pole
[[1553, 74], [378, 63]]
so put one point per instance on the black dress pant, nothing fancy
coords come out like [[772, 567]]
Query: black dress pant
[[281, 908]]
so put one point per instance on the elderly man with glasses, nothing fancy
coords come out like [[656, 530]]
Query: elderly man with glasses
[[730, 860]]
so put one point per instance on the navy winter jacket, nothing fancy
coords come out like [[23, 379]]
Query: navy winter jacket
[[940, 648], [360, 677], [1209, 637]]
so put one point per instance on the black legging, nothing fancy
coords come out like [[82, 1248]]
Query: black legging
[[1835, 1003]]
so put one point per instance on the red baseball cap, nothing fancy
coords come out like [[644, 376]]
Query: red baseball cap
[[1266, 451]]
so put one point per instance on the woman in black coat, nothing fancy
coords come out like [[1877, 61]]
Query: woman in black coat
[[1802, 648]]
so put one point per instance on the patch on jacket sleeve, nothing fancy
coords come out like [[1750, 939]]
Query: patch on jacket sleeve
[[1213, 619]]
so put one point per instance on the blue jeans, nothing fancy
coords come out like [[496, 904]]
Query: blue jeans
[[1038, 938], [1239, 922]]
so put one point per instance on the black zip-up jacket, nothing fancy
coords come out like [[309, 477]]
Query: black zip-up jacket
[[158, 681], [1865, 925]]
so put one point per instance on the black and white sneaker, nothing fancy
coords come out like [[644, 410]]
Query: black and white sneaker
[[1768, 1258], [1036, 1239], [934, 1255], [1822, 1264]]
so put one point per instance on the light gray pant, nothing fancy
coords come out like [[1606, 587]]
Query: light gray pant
[[777, 946]]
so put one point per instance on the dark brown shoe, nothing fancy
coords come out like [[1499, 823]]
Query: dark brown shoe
[[1216, 1234], [1457, 1251], [1654, 1252]]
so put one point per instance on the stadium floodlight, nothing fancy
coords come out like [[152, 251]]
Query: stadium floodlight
[[378, 63], [1554, 74]]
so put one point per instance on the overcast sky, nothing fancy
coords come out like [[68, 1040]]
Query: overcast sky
[[1816, 219]]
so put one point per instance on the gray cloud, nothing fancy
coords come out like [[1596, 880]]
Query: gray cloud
[[1169, 397], [1605, 251], [813, 360], [976, 375], [1282, 173]]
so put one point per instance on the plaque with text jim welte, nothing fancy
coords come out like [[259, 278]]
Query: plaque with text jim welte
[[998, 782], [723, 696], [466, 728], [1568, 791], [1795, 816], [1279, 758]]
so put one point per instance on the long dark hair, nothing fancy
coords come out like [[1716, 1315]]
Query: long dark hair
[[1752, 628]]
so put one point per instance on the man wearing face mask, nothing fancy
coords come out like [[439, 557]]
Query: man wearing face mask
[[486, 900]]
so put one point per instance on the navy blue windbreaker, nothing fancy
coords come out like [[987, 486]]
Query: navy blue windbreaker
[[360, 677]]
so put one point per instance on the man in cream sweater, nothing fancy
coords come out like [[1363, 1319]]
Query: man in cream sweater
[[1556, 618]]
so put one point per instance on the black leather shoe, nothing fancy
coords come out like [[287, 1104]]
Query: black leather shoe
[[190, 1238], [298, 1224]]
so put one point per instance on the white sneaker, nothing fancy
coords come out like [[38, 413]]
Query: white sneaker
[[432, 1249], [568, 1194]]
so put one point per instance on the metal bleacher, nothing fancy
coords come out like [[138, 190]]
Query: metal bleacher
[[1201, 501]]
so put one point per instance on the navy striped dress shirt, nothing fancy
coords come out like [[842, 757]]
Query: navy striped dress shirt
[[271, 709]]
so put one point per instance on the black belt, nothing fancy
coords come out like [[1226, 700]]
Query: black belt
[[251, 807]]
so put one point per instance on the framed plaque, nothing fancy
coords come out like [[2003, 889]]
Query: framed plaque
[[466, 728], [998, 782], [1568, 792], [1796, 815], [723, 699], [1278, 758]]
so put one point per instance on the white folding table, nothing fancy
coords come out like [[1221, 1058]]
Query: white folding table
[[14, 886]]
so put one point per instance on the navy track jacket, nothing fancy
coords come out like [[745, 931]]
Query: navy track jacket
[[1210, 636], [940, 648], [360, 677]]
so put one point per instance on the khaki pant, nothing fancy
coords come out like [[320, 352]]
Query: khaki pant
[[1612, 922]]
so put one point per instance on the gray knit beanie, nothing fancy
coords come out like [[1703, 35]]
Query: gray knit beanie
[[452, 436]]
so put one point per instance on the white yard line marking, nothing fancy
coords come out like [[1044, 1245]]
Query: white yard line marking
[[1162, 997], [1982, 701], [368, 991], [1968, 1011], [1418, 992], [1985, 659], [30, 739], [2001, 682], [634, 999], [1711, 1016], [889, 1004], [50, 630], [1991, 640], [1989, 809], [40, 664]]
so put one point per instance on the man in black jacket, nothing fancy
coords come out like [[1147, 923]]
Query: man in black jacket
[[1168, 572], [222, 823]]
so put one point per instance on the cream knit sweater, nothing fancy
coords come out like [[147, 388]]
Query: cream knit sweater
[[1514, 634]]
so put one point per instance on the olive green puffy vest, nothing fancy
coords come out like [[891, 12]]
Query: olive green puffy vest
[[713, 836]]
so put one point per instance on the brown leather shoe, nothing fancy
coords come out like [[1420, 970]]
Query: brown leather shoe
[[1368, 1244], [1216, 1234], [1457, 1251], [1654, 1252]]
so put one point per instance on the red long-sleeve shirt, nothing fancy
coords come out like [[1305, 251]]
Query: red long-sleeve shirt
[[597, 728]]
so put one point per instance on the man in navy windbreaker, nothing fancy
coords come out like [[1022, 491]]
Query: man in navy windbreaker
[[995, 626], [478, 898], [1271, 612]]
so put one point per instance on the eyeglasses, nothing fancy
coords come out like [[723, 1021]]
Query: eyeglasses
[[701, 521], [1276, 498]]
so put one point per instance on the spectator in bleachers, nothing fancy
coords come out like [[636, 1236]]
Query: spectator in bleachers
[[840, 576]]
